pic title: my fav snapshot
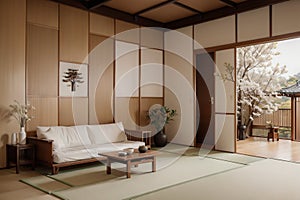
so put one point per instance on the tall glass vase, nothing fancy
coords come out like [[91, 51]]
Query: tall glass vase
[[22, 135]]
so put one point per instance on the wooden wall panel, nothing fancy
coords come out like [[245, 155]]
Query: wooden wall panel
[[101, 79], [101, 25], [179, 95], [224, 90], [42, 61], [216, 32], [104, 97], [151, 73], [180, 45], [127, 111], [254, 24], [286, 17], [45, 113], [73, 34], [127, 32], [225, 123], [73, 111], [12, 66], [151, 37], [65, 112], [188, 31], [225, 132], [42, 12]]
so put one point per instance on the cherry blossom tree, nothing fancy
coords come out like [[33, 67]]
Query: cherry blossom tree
[[257, 82]]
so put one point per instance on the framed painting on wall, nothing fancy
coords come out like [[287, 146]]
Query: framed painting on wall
[[73, 79]]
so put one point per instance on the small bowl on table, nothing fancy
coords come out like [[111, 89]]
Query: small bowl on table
[[129, 151]]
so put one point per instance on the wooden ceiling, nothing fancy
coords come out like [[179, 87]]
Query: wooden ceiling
[[168, 13]]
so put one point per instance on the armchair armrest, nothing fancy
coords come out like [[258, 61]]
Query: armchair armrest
[[43, 150], [35, 139], [140, 135]]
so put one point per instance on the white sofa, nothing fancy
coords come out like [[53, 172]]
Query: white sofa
[[79, 144]]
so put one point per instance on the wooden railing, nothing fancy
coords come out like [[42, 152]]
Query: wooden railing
[[280, 118]]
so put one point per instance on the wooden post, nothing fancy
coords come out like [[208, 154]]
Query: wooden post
[[293, 119]]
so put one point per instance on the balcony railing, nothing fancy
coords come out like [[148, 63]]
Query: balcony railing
[[280, 118]]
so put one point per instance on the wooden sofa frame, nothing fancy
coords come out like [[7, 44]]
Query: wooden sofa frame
[[44, 150]]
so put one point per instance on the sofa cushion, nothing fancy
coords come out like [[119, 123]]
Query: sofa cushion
[[81, 131], [91, 151], [106, 133], [63, 136]]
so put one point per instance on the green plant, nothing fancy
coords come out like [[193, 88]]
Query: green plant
[[170, 113], [160, 116]]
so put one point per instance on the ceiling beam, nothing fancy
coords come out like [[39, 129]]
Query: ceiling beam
[[93, 3], [73, 3], [187, 7], [154, 7], [114, 13], [221, 12], [230, 3]]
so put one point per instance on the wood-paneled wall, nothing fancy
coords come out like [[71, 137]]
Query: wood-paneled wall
[[73, 34], [12, 66], [56, 33], [101, 84], [42, 58]]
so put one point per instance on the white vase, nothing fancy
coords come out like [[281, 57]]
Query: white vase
[[22, 136], [14, 138]]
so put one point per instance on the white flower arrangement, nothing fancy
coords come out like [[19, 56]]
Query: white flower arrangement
[[20, 112]]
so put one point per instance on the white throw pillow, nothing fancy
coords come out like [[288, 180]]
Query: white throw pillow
[[40, 130], [51, 134], [62, 137]]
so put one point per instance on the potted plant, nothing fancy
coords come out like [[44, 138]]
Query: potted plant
[[20, 113], [160, 116]]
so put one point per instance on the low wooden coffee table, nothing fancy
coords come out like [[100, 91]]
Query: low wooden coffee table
[[130, 160]]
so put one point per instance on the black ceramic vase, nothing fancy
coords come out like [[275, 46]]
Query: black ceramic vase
[[160, 139], [143, 149], [242, 134]]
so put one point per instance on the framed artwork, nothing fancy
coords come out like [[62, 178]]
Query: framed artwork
[[73, 79]]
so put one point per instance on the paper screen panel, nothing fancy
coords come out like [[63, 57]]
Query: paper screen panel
[[254, 24], [216, 32], [285, 17], [151, 73]]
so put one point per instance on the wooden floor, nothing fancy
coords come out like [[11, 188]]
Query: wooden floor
[[12, 188], [283, 149]]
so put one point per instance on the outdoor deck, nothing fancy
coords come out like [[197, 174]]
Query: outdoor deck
[[282, 149]]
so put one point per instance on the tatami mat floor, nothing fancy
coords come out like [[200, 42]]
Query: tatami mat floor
[[214, 175]]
